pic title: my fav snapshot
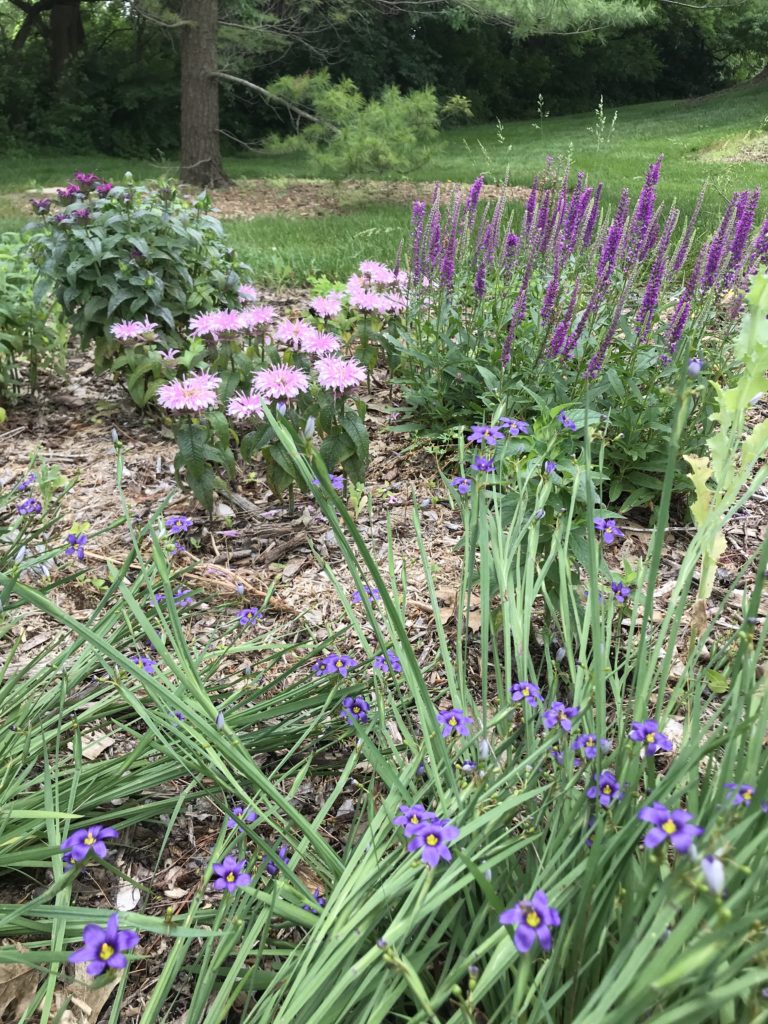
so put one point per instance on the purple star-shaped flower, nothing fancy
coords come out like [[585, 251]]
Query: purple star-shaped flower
[[648, 733], [559, 714], [668, 825], [529, 692], [432, 839], [606, 789], [248, 616], [620, 591], [240, 815], [104, 947], [481, 433], [177, 524], [413, 817], [566, 421], [354, 709], [86, 840], [147, 664], [335, 664], [319, 900], [515, 427], [29, 507], [462, 484], [588, 744], [76, 542], [608, 528], [483, 465], [272, 868], [368, 594], [230, 874], [454, 718], [532, 921], [388, 662], [739, 793]]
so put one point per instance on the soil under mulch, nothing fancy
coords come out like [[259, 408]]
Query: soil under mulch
[[298, 197]]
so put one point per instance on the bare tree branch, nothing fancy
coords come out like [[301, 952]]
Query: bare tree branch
[[272, 97]]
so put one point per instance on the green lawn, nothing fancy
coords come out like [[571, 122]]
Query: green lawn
[[690, 133]]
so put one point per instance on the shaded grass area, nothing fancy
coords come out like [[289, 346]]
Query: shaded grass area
[[292, 249]]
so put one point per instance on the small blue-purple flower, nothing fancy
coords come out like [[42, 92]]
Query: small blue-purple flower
[[388, 662], [532, 920], [606, 789], [431, 841], [515, 427], [335, 664], [368, 594], [272, 868], [147, 664], [550, 466], [177, 524], [589, 745], [87, 840], [241, 815], [620, 591], [27, 482], [559, 714], [565, 421], [529, 692], [739, 794], [104, 947], [673, 826], [649, 734], [248, 616], [463, 484], [76, 542], [354, 709], [411, 817], [695, 366], [319, 902], [230, 874], [481, 433], [29, 507], [181, 598], [454, 719], [608, 528], [483, 465]]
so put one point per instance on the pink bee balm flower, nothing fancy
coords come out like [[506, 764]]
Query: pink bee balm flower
[[377, 272], [243, 407], [280, 381], [256, 316], [248, 293], [320, 344], [202, 324], [128, 329], [190, 394], [293, 332], [338, 374], [326, 306]]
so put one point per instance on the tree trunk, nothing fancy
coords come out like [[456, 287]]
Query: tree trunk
[[67, 34], [200, 148]]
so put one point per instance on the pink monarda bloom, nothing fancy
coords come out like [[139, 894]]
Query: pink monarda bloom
[[293, 332], [248, 293], [256, 316], [220, 321], [126, 330], [245, 407], [369, 302], [377, 273], [326, 306], [336, 374], [280, 381], [191, 394], [321, 344]]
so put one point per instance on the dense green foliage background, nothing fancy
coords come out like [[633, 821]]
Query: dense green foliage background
[[120, 93]]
